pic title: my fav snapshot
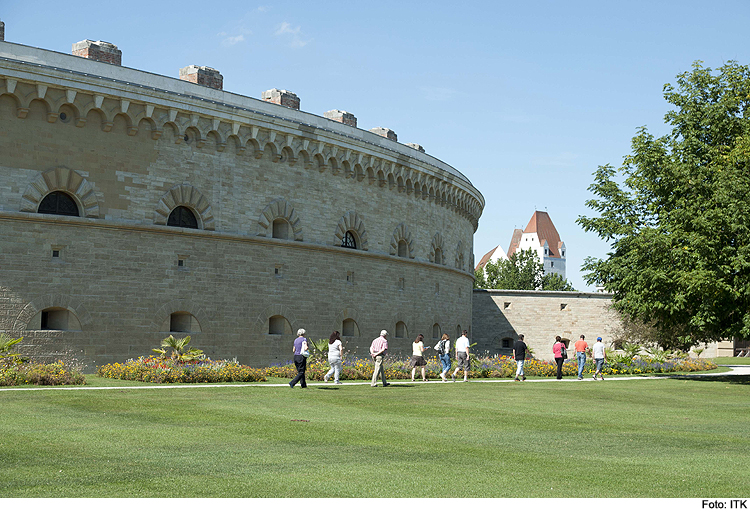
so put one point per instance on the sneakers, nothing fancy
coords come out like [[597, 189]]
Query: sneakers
[[517, 380], [386, 385], [580, 377], [325, 378], [290, 385], [454, 377], [442, 375], [373, 385], [338, 383], [523, 378]]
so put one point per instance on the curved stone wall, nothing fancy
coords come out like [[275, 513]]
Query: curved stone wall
[[129, 147]]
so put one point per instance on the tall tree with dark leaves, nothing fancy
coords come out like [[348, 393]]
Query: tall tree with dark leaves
[[678, 215]]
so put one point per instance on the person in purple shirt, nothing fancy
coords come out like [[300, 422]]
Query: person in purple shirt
[[300, 360]]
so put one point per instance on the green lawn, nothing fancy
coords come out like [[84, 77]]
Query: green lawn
[[639, 438]]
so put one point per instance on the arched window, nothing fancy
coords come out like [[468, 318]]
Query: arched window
[[438, 256], [183, 322], [58, 203], [349, 241], [54, 319], [349, 328], [458, 332], [280, 229], [182, 217], [279, 325], [401, 330], [436, 332], [403, 250]]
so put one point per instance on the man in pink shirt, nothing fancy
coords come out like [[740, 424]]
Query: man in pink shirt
[[581, 347], [378, 349]]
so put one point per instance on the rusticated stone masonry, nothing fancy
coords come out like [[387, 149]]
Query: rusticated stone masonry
[[202, 75], [344, 117], [281, 97], [98, 50], [385, 132]]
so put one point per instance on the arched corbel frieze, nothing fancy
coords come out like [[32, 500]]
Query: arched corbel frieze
[[189, 196], [351, 221], [279, 209], [65, 180]]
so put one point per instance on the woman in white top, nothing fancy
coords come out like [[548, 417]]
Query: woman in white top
[[417, 360], [334, 357]]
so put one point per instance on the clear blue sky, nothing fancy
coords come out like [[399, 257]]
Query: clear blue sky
[[524, 98]]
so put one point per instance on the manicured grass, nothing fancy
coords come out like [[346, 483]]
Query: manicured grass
[[634, 438]]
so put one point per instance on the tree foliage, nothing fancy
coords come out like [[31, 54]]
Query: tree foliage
[[679, 222], [521, 271]]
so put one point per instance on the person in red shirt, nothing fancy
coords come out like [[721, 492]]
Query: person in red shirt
[[581, 348]]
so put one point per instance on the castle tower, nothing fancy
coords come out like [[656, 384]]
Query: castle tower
[[541, 235]]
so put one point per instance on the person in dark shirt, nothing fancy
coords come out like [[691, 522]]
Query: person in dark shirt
[[519, 353]]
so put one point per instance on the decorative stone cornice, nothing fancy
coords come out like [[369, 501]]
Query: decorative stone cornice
[[215, 119]]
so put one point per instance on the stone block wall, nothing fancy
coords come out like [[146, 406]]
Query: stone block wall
[[540, 316], [116, 268]]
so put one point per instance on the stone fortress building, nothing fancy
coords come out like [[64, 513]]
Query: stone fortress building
[[134, 206]]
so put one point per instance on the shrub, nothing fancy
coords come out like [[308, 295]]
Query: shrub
[[166, 370], [490, 367], [15, 371]]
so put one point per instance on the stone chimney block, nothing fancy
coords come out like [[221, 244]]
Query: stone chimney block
[[98, 50], [343, 117], [415, 146], [203, 75], [2, 31], [385, 132], [282, 97]]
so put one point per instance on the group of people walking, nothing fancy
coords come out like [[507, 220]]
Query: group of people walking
[[379, 349], [581, 346]]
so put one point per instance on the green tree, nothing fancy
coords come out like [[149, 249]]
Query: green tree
[[554, 281], [679, 221], [521, 271]]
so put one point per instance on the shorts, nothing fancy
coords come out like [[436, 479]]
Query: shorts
[[463, 361]]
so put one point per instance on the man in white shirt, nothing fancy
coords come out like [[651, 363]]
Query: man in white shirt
[[599, 356], [462, 356]]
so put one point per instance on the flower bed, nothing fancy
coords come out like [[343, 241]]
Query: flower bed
[[17, 372], [156, 370], [494, 367]]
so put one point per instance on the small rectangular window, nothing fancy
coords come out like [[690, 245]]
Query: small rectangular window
[[506, 305], [563, 306], [350, 277], [180, 262], [55, 253]]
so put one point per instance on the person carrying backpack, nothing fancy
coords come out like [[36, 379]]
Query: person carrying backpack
[[443, 347]]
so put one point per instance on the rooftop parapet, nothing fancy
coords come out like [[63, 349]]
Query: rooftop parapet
[[202, 75], [344, 117], [281, 97], [415, 146], [385, 132], [98, 50]]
